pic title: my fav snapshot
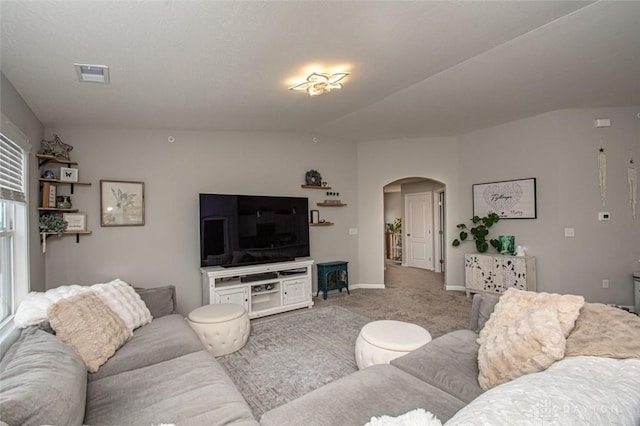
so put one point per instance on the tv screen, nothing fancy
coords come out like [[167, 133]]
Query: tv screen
[[238, 230]]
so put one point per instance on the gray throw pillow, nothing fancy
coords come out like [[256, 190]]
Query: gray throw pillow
[[42, 382]]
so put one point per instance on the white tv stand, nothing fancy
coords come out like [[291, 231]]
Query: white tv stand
[[290, 289]]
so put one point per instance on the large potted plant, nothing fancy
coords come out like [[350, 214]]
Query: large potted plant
[[479, 232]]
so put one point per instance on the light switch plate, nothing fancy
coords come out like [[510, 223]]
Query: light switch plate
[[569, 232]]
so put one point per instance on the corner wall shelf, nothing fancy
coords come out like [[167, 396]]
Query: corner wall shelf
[[44, 159], [321, 224], [314, 187]]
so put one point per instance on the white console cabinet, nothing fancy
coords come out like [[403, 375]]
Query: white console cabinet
[[261, 289], [495, 273]]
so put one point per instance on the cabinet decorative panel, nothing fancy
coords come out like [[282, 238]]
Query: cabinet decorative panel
[[496, 273]]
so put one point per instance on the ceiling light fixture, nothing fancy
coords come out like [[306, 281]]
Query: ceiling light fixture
[[320, 83], [92, 73]]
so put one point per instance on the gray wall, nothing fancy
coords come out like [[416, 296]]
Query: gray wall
[[557, 148], [18, 112], [166, 249], [560, 150]]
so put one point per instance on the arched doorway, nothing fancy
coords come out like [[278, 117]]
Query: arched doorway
[[414, 233]]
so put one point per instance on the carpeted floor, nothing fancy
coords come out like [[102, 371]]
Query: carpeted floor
[[290, 355]]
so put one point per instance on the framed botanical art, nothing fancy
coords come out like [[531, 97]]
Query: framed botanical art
[[121, 203], [510, 199]]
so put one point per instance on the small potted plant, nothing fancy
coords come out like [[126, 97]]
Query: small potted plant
[[480, 232]]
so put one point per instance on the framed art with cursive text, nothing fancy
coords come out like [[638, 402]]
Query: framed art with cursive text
[[510, 199]]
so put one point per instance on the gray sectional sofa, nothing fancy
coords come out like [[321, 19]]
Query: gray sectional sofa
[[441, 376], [162, 375]]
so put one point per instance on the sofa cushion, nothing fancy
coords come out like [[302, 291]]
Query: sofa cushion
[[352, 400], [526, 333], [481, 310], [160, 301], [449, 363], [124, 301], [164, 338], [90, 327], [42, 381], [193, 389]]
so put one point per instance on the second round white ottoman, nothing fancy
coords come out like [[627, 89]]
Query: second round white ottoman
[[223, 328], [379, 342]]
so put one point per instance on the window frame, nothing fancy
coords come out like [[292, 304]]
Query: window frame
[[20, 231]]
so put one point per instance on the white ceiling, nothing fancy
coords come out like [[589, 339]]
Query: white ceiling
[[418, 68]]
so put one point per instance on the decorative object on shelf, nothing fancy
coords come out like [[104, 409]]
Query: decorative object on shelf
[[507, 244], [315, 216], [337, 202], [49, 192], [63, 202], [511, 199], [632, 180], [56, 148], [325, 184], [313, 178], [320, 83], [68, 174], [520, 251], [75, 221], [48, 174], [52, 222], [121, 203], [480, 232]]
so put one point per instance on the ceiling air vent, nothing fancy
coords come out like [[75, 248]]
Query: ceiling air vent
[[92, 73]]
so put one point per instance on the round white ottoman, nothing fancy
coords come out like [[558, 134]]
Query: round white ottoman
[[381, 341], [222, 328]]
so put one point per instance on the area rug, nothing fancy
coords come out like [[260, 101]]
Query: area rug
[[290, 355]]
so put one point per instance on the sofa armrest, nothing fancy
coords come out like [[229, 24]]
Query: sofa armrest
[[481, 309], [160, 301]]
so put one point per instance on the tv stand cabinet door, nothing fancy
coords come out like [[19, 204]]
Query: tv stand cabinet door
[[237, 296], [295, 291]]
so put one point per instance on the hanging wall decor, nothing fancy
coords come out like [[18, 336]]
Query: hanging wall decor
[[632, 180], [602, 175]]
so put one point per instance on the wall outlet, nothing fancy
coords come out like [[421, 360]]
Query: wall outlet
[[605, 283], [569, 232]]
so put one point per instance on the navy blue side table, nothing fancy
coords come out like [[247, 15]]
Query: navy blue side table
[[332, 276]]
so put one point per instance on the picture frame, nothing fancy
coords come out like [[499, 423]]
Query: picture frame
[[76, 222], [509, 199], [68, 174], [49, 193], [315, 216], [121, 203]]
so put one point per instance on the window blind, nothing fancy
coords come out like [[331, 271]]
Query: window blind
[[12, 170]]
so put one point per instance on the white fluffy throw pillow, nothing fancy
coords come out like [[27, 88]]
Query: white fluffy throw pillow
[[124, 301], [412, 418], [525, 334], [33, 309]]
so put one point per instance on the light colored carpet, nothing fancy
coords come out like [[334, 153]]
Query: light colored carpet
[[290, 355], [293, 353]]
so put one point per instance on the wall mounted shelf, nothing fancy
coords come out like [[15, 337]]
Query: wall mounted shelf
[[331, 204], [321, 224], [314, 187]]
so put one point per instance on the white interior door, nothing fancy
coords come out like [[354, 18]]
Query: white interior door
[[419, 230]]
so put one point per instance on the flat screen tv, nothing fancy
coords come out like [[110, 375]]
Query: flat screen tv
[[237, 230]]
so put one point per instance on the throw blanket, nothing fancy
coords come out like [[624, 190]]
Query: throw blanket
[[580, 390], [413, 418], [603, 330]]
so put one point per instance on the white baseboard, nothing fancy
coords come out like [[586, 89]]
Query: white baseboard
[[376, 286], [456, 288]]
